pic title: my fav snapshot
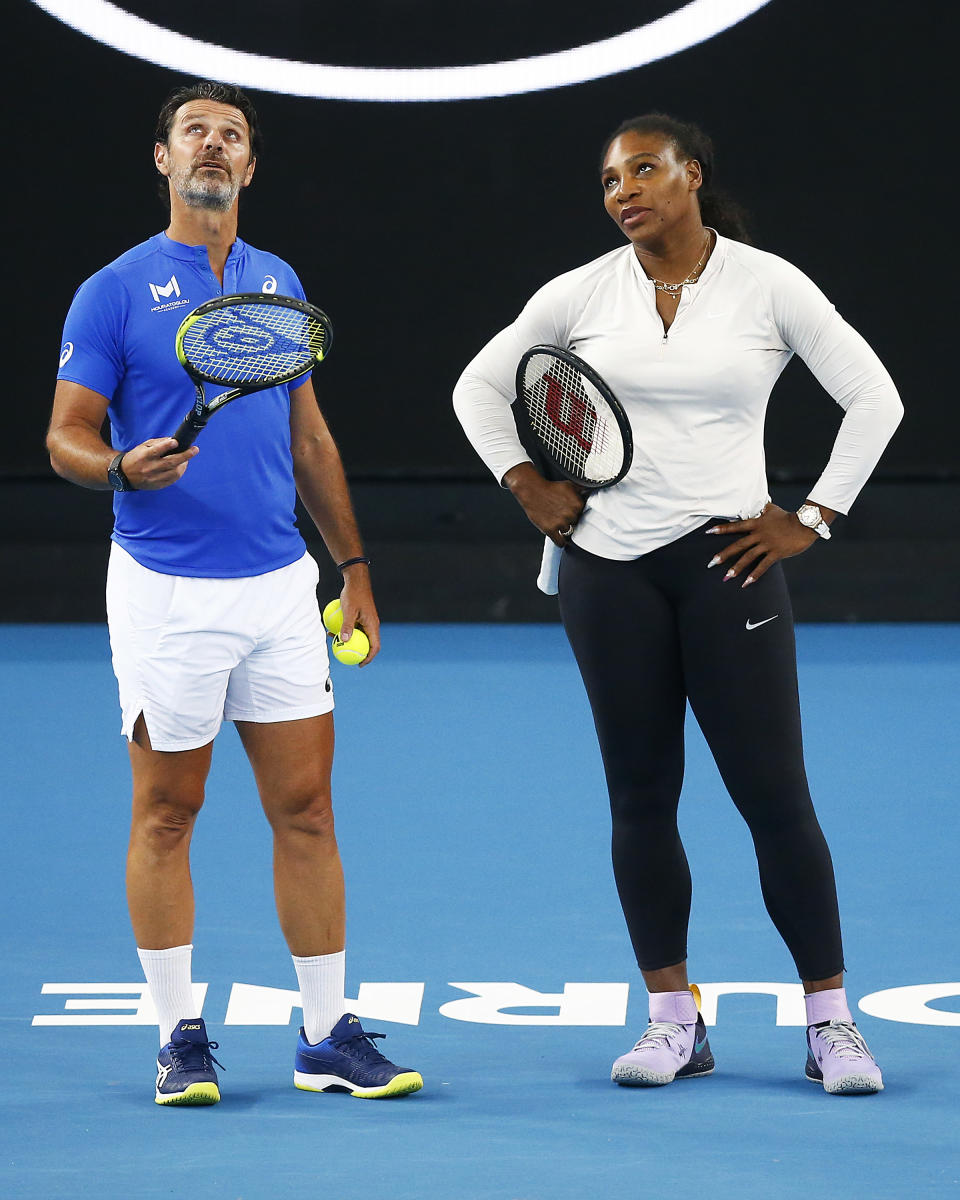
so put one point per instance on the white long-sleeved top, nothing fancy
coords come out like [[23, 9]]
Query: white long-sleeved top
[[696, 396]]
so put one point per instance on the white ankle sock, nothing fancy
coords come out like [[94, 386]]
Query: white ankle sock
[[321, 979], [168, 974], [673, 1006], [827, 1006]]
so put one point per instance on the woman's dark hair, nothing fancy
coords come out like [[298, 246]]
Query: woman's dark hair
[[717, 209], [219, 93]]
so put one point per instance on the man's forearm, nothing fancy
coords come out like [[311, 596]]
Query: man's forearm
[[80, 455], [322, 486]]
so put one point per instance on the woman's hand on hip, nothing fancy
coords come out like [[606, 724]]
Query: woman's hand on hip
[[764, 540]]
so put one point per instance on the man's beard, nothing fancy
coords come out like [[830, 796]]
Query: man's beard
[[214, 193]]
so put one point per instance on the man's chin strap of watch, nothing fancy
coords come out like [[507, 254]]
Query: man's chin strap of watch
[[810, 515]]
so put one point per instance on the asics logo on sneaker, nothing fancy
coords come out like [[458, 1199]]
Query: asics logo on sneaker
[[184, 1027], [757, 624], [162, 1073]]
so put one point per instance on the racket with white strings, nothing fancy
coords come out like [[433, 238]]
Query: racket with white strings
[[579, 430], [246, 343]]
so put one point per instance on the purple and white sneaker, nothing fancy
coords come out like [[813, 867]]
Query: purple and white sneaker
[[837, 1057], [675, 1048]]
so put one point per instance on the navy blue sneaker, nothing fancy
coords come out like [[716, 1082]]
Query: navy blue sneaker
[[185, 1073], [348, 1061]]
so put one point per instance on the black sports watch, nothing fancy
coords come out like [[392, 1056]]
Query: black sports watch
[[118, 481]]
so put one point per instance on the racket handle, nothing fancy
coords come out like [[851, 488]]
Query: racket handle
[[186, 435], [549, 568]]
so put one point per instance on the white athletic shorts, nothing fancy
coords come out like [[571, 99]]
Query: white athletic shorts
[[189, 653]]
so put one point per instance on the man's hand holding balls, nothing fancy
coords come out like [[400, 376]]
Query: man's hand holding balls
[[356, 648]]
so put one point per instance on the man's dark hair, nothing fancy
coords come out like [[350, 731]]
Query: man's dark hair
[[206, 89], [717, 209]]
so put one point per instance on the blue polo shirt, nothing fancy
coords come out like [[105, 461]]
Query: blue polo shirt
[[232, 512]]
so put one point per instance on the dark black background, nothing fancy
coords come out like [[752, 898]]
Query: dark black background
[[423, 228]]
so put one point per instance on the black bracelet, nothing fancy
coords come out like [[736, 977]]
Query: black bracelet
[[351, 562]]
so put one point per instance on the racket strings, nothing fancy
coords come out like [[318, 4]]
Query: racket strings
[[253, 343], [573, 420]]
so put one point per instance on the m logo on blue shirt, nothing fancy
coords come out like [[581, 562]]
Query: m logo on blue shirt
[[165, 290]]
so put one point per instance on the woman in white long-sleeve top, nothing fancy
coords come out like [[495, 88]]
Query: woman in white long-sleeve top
[[691, 327]]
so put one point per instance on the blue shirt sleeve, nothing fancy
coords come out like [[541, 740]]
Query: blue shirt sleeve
[[92, 351]]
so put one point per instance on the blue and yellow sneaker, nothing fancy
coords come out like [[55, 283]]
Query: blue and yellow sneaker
[[348, 1061], [185, 1073]]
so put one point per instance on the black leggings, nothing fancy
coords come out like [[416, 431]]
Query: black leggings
[[648, 635]]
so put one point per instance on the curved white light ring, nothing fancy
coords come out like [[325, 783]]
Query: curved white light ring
[[695, 22]]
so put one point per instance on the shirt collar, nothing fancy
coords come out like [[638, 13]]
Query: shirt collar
[[713, 265], [184, 253], [715, 261]]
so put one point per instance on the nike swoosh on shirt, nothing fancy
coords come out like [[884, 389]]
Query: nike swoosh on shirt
[[757, 624]]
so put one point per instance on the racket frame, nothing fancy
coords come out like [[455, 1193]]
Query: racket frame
[[204, 409], [595, 380], [547, 580]]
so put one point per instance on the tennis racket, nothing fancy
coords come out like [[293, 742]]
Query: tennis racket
[[576, 426], [246, 342]]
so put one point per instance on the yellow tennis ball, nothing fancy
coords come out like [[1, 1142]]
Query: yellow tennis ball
[[353, 651], [333, 617]]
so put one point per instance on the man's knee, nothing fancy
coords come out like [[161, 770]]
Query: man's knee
[[165, 815], [309, 813]]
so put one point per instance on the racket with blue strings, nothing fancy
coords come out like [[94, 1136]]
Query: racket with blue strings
[[246, 343]]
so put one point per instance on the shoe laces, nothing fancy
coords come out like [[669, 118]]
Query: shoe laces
[[184, 1056], [658, 1035], [844, 1039], [361, 1046]]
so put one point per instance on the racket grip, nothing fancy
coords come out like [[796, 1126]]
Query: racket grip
[[186, 435], [547, 580]]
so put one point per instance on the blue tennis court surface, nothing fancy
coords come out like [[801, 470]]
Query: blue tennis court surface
[[472, 820]]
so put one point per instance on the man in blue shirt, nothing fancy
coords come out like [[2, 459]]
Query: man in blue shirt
[[211, 594]]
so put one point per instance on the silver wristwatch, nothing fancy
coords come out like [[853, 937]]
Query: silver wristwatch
[[811, 516]]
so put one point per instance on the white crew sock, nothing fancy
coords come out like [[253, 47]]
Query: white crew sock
[[321, 979], [680, 1007], [168, 974], [827, 1006]]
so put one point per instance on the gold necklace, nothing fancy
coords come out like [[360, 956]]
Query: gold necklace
[[673, 290]]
